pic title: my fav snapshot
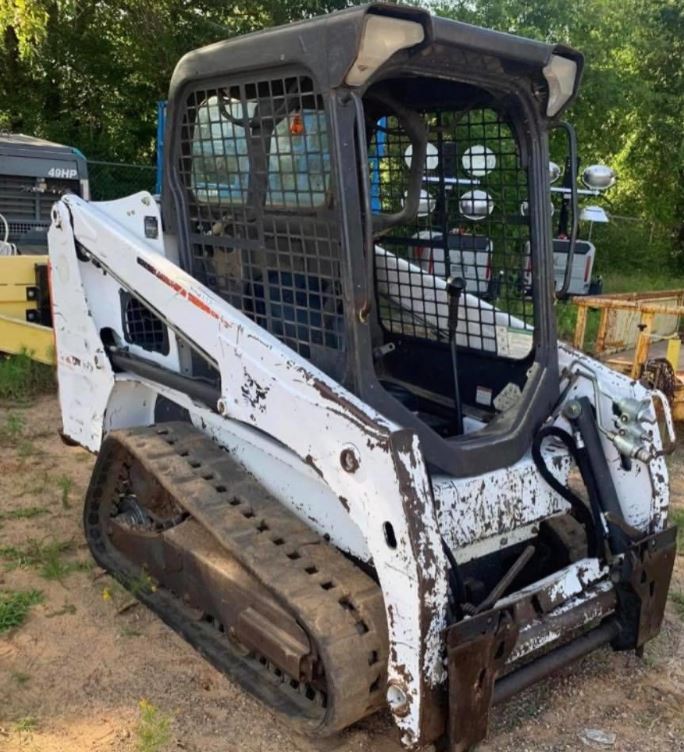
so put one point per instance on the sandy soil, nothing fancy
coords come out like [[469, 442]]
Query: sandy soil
[[72, 677]]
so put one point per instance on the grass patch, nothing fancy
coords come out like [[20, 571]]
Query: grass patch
[[35, 484], [616, 281], [27, 513], [65, 484], [678, 602], [48, 557], [153, 732], [15, 605], [142, 584], [25, 449], [566, 316], [12, 429], [676, 517], [26, 725], [22, 378], [20, 678]]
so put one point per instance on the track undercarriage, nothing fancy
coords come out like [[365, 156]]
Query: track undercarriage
[[263, 597]]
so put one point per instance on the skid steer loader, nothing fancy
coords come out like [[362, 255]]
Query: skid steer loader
[[351, 481]]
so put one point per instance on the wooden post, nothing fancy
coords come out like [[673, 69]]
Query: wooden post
[[642, 344], [580, 326], [600, 344]]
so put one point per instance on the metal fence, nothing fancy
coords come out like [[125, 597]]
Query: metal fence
[[110, 180]]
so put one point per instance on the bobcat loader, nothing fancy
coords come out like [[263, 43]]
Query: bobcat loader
[[350, 482]]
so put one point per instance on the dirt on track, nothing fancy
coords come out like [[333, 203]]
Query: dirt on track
[[73, 675]]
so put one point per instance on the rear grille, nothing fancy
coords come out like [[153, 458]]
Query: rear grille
[[21, 203], [16, 200], [19, 229]]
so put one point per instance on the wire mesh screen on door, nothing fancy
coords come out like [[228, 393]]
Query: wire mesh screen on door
[[255, 165], [472, 224]]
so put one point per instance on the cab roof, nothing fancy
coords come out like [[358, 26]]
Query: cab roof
[[329, 46]]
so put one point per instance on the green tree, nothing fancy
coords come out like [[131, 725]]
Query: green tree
[[630, 110], [88, 73]]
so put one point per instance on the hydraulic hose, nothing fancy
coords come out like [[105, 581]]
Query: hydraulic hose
[[585, 516]]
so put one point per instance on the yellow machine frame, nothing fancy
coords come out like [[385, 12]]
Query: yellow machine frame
[[18, 299], [631, 341]]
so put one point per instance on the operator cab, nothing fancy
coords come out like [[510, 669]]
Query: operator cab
[[367, 212]]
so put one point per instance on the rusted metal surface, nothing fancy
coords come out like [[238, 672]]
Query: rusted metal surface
[[477, 650], [542, 630], [556, 659], [678, 403], [497, 504], [642, 344], [634, 324], [529, 622], [488, 646], [580, 327], [621, 316], [643, 579]]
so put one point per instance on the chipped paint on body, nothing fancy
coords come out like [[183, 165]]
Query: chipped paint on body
[[290, 425]]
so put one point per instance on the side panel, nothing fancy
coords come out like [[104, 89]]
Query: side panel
[[642, 488]]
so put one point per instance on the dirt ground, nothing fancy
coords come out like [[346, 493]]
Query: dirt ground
[[73, 675]]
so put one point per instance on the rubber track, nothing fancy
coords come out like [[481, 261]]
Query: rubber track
[[339, 606]]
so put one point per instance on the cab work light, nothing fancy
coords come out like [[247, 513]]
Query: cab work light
[[381, 38], [560, 73]]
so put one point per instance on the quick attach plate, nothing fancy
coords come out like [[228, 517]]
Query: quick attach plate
[[642, 580], [477, 650]]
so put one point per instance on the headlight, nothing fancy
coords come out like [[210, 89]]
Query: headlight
[[599, 177], [476, 205], [382, 37], [478, 160], [431, 156], [560, 73]]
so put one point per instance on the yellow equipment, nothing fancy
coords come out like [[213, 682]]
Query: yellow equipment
[[25, 319], [638, 334]]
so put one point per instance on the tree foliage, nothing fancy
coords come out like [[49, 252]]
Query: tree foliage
[[630, 110], [88, 73]]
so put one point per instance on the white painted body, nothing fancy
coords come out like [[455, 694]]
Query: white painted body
[[474, 266], [281, 417], [480, 325]]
